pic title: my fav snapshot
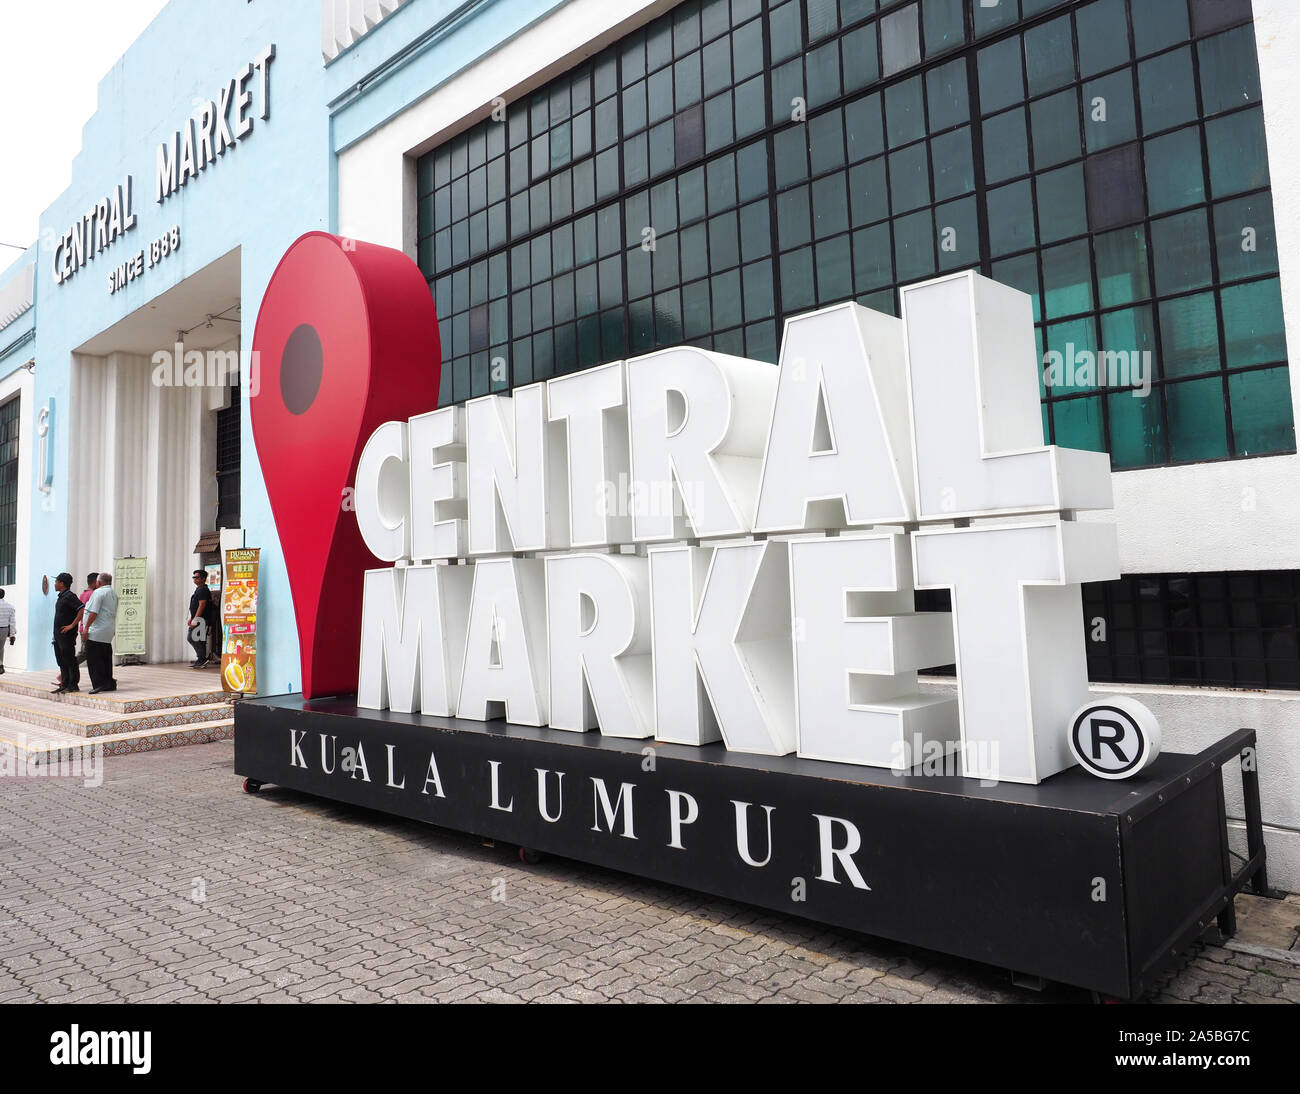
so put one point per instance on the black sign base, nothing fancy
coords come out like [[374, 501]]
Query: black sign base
[[1092, 883]]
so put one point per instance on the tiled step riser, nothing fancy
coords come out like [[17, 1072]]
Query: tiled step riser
[[182, 736], [53, 720], [130, 706]]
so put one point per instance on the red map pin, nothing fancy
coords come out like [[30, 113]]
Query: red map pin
[[346, 339]]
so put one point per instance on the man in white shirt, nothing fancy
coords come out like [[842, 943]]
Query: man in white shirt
[[8, 626], [101, 622]]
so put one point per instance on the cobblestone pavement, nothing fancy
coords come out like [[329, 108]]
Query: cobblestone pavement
[[169, 884]]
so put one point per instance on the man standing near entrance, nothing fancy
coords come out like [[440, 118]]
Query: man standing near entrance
[[200, 628], [85, 596], [67, 614], [8, 626], [101, 623]]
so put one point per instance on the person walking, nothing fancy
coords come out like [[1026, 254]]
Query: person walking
[[85, 596], [101, 624], [8, 626], [200, 628], [67, 614]]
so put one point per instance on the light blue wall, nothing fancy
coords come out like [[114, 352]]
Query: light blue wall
[[261, 195]]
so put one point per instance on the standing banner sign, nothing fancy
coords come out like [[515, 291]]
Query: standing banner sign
[[239, 614], [129, 580]]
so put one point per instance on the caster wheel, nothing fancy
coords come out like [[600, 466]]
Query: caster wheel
[[251, 786], [529, 857]]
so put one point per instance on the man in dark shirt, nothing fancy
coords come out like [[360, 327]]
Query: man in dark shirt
[[201, 626], [67, 614]]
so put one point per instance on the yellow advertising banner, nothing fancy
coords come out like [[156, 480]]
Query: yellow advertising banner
[[129, 581], [239, 615]]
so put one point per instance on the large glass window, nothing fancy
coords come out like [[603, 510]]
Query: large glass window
[[9, 489], [736, 162]]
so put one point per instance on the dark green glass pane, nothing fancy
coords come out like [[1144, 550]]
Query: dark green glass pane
[[613, 334], [725, 290], [1000, 76], [957, 227], [1261, 412], [785, 30], [690, 195], [1049, 55], [1116, 194], [1238, 156], [1021, 273], [658, 44], [1006, 145], [823, 78], [747, 50], [634, 112], [1157, 25], [659, 96], [755, 231], [1067, 279], [1054, 122], [719, 124], [853, 10], [989, 18], [905, 112], [1103, 43], [1122, 275], [1011, 218], [1108, 115], [948, 96], [1167, 91], [757, 281], [954, 170], [1229, 70], [829, 207], [1197, 427], [790, 154], [697, 317], [797, 280], [751, 171], [1175, 176], [900, 40], [1245, 239], [909, 177], [1078, 423], [686, 29], [717, 66], [1070, 363], [694, 251], [750, 110], [1252, 323], [858, 52], [873, 259], [792, 218], [944, 25], [641, 326], [864, 129], [914, 246], [760, 342], [1128, 341], [1137, 433], [667, 262], [721, 175], [869, 192], [1189, 333], [826, 141], [834, 274], [1062, 212], [822, 18], [724, 242], [1181, 246]]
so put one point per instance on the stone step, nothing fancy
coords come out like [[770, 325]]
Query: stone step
[[94, 722], [45, 746], [206, 690]]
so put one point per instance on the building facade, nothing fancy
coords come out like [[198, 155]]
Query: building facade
[[586, 180]]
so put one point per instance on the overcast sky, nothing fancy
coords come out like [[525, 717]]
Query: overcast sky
[[54, 54]]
